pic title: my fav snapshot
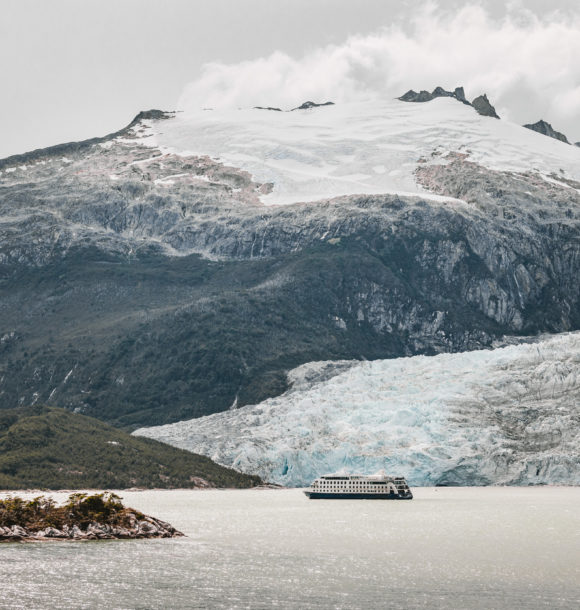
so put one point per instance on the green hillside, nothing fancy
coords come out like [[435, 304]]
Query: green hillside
[[50, 448]]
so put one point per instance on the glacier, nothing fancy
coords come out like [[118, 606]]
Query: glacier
[[357, 148], [505, 416]]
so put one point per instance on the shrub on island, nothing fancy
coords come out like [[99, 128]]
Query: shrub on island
[[81, 517]]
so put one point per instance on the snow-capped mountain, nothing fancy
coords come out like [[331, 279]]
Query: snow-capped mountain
[[353, 149], [500, 416], [187, 262], [151, 183]]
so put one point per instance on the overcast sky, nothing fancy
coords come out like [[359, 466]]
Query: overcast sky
[[75, 69]]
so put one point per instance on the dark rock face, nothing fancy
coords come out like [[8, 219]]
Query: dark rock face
[[307, 105], [577, 144], [142, 304], [148, 115], [425, 96], [440, 92], [481, 103], [483, 106], [459, 94], [304, 106], [547, 130], [267, 108], [413, 96]]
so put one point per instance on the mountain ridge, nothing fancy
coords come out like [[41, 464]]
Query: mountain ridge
[[79, 146], [481, 103], [143, 282], [547, 130]]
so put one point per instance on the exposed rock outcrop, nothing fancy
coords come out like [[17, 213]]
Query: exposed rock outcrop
[[484, 107], [308, 105], [425, 96], [141, 527], [459, 94], [547, 130], [413, 96], [83, 517], [481, 103]]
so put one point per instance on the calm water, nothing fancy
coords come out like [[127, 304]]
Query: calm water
[[457, 548]]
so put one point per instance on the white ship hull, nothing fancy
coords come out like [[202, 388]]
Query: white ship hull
[[359, 487], [314, 495]]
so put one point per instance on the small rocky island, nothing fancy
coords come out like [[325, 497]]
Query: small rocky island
[[82, 517]]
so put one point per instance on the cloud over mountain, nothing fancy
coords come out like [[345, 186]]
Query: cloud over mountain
[[526, 63]]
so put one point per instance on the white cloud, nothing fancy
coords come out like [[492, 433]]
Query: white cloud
[[528, 66]]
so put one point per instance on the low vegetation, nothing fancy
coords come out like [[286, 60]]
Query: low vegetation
[[154, 339], [83, 517], [51, 448], [81, 510]]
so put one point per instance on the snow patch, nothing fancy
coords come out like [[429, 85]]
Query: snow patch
[[357, 148]]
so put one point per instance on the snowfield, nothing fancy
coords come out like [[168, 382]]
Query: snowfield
[[502, 416], [357, 148]]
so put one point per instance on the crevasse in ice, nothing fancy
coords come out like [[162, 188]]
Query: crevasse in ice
[[504, 416]]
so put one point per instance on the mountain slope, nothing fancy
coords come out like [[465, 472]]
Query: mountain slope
[[49, 448], [501, 416], [144, 281]]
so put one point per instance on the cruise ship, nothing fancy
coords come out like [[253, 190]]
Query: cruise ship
[[359, 487]]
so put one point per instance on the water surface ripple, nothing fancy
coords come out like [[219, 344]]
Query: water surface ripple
[[465, 548]]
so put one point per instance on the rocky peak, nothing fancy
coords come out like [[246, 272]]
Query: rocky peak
[[425, 96], [459, 93], [547, 130], [308, 105], [413, 96], [481, 103], [483, 106], [153, 115], [76, 149], [440, 92]]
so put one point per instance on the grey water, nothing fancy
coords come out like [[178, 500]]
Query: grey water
[[464, 548]]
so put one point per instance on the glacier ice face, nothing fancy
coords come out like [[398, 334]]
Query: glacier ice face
[[504, 416]]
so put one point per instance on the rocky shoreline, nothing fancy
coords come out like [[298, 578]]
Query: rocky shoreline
[[98, 517], [147, 527]]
